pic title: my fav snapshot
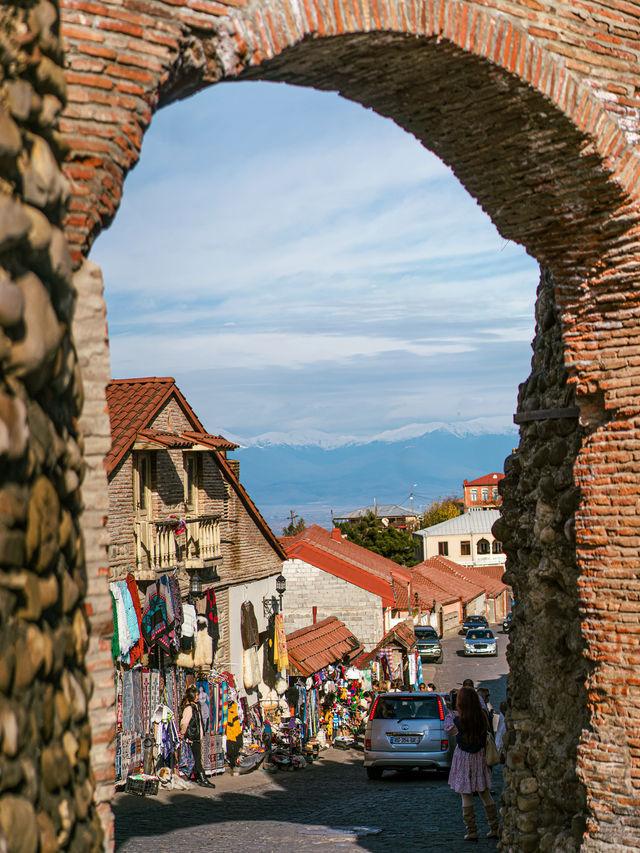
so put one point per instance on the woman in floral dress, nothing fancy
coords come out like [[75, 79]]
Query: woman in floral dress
[[469, 772]]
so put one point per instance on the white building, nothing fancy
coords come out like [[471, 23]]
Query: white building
[[465, 539]]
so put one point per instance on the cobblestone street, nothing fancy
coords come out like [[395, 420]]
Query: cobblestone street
[[326, 806]]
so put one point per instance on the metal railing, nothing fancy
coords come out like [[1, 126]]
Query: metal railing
[[164, 543]]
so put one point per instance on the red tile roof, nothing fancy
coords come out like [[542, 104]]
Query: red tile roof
[[401, 634], [327, 642], [455, 581], [133, 404], [486, 480], [332, 553]]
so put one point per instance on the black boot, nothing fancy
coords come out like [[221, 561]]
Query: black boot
[[204, 782]]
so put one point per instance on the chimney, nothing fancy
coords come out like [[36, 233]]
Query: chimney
[[336, 534], [314, 611]]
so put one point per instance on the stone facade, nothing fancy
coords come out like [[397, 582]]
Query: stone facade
[[545, 798], [535, 107], [308, 586], [46, 784]]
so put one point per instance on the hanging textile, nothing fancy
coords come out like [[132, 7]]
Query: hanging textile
[[211, 612], [248, 626], [203, 656], [136, 650], [281, 658]]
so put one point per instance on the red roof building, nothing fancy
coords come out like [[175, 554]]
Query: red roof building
[[330, 576], [314, 647], [482, 493], [176, 503]]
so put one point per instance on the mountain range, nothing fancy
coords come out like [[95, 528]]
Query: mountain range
[[313, 479]]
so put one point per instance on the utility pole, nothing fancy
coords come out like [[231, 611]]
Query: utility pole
[[293, 516]]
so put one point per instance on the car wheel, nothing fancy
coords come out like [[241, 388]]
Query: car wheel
[[441, 658], [374, 773]]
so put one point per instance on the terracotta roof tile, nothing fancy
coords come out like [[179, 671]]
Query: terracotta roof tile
[[352, 563], [486, 480], [402, 634], [327, 642], [132, 405]]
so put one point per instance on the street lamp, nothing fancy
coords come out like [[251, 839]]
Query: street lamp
[[195, 585], [281, 586]]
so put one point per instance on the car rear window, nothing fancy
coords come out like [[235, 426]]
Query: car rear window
[[403, 707]]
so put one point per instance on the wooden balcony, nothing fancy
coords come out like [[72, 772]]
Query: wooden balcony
[[160, 547]]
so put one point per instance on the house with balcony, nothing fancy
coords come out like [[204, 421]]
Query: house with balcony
[[176, 505], [466, 539]]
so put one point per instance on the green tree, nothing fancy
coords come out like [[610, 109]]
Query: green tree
[[294, 527], [368, 532], [441, 510]]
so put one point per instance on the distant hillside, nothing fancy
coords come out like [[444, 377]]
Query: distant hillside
[[313, 481]]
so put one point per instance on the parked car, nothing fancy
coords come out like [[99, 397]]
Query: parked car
[[480, 641], [429, 645], [506, 625], [474, 622], [405, 731]]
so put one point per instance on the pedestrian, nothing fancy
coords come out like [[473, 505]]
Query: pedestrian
[[422, 686], [431, 688], [191, 731], [501, 731], [469, 771]]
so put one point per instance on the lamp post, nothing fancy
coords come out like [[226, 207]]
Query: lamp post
[[281, 586]]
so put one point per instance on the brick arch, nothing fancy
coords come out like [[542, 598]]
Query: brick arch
[[535, 112]]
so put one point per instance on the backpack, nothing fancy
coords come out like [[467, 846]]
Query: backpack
[[193, 729]]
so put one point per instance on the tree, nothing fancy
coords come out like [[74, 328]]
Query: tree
[[368, 532], [294, 527], [441, 510]]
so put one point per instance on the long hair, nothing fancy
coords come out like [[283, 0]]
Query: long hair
[[473, 720], [190, 696]]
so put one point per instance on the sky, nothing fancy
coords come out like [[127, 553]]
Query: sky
[[307, 271]]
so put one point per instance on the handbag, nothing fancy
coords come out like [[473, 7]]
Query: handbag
[[491, 751]]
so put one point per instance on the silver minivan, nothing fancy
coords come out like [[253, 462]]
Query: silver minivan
[[406, 731]]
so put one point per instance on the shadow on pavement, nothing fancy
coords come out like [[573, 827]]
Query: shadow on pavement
[[330, 796]]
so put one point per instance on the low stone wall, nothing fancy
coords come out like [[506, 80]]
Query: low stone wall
[[544, 800], [47, 788]]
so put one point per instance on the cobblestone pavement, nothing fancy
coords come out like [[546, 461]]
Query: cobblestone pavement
[[328, 805]]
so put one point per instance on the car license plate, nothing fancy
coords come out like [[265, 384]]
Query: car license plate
[[405, 739]]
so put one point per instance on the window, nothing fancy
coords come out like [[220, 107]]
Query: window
[[142, 482], [485, 494], [443, 549], [497, 547], [473, 494], [484, 547], [465, 548], [494, 493], [190, 480]]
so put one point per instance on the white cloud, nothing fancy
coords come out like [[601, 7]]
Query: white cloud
[[340, 248]]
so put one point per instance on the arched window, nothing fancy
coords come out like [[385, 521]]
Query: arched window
[[497, 547], [484, 547]]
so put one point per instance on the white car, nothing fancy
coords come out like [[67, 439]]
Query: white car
[[480, 641]]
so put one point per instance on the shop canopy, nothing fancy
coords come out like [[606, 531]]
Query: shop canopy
[[327, 642], [400, 637]]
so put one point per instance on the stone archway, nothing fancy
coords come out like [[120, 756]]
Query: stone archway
[[535, 110], [547, 152]]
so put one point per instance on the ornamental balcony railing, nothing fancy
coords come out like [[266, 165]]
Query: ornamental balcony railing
[[162, 544]]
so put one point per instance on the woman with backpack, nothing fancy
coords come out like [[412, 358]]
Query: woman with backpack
[[469, 771], [191, 731]]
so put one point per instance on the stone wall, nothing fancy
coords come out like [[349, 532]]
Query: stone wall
[[360, 610], [46, 784], [544, 798]]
